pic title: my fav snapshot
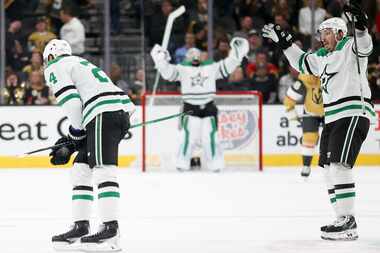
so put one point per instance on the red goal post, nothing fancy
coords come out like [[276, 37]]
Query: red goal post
[[240, 128]]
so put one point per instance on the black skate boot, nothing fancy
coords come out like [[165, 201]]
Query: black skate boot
[[106, 240], [66, 241], [344, 229]]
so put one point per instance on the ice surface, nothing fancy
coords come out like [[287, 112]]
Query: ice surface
[[200, 212]]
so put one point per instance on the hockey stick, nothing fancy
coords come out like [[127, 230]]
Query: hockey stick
[[129, 135], [357, 57], [165, 42]]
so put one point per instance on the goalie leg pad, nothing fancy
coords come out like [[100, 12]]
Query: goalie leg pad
[[212, 149], [191, 127]]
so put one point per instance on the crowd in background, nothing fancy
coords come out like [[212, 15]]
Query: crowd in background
[[265, 68]]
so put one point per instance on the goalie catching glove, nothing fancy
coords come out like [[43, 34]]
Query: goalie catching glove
[[278, 35], [74, 141]]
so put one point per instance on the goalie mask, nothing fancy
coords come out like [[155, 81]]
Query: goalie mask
[[335, 24], [56, 48], [193, 55]]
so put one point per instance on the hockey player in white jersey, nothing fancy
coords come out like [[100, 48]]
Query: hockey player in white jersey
[[347, 115], [98, 112], [198, 90]]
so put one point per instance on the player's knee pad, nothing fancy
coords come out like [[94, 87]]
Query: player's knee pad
[[105, 173], [81, 174], [341, 173], [310, 139]]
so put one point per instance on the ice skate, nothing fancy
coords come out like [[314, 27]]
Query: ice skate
[[106, 240], [67, 241], [305, 172], [344, 229]]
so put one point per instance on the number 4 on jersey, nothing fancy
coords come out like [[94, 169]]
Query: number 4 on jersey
[[52, 78]]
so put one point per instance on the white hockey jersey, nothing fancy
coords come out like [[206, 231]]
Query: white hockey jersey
[[340, 80], [198, 84], [84, 90]]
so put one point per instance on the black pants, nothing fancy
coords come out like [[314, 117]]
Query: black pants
[[104, 133], [341, 140]]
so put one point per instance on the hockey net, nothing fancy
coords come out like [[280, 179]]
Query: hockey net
[[239, 130]]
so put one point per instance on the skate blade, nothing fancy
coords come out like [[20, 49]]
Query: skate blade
[[64, 246], [108, 246], [350, 235]]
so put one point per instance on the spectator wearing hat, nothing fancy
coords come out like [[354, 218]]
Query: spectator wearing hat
[[255, 45], [72, 31], [40, 37]]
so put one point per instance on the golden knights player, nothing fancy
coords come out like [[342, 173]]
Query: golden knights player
[[347, 106], [307, 90]]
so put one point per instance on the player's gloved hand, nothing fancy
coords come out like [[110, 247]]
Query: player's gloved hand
[[159, 54], [77, 137], [61, 155], [278, 35], [360, 17], [292, 115], [239, 48]]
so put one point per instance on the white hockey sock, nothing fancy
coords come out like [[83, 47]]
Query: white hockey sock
[[344, 189], [82, 200], [330, 185], [108, 201]]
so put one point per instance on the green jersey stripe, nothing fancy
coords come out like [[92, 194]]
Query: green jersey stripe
[[109, 195], [345, 195], [349, 107], [68, 97], [83, 197]]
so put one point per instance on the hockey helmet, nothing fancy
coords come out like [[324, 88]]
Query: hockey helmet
[[56, 48], [336, 24], [193, 54]]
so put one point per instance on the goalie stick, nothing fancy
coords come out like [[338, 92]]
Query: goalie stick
[[165, 41], [128, 135]]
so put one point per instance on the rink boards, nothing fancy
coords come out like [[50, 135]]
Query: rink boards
[[27, 128]]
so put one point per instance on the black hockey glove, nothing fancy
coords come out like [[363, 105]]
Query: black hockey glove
[[280, 36], [61, 155], [75, 140], [360, 17]]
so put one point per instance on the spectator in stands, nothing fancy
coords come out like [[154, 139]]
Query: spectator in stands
[[117, 79], [266, 83], [14, 91], [304, 20], [236, 80], [16, 57], [259, 10], [200, 32], [200, 15], [262, 60], [40, 37], [72, 31], [35, 64], [222, 49], [282, 7], [180, 53], [335, 8], [255, 45], [285, 82], [246, 25], [37, 93], [156, 27], [137, 87]]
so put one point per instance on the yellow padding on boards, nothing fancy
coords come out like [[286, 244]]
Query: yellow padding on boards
[[310, 138], [44, 162], [296, 160]]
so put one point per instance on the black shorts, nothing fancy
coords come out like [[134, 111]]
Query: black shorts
[[341, 140], [104, 133], [311, 123], [202, 111]]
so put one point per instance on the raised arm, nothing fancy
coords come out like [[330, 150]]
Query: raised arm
[[161, 58]]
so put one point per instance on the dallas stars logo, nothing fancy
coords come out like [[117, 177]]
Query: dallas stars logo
[[198, 80], [325, 78]]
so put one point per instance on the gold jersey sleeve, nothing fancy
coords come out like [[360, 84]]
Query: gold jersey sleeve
[[313, 102]]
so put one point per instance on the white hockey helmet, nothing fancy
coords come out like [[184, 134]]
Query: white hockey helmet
[[56, 48], [193, 54], [336, 24]]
